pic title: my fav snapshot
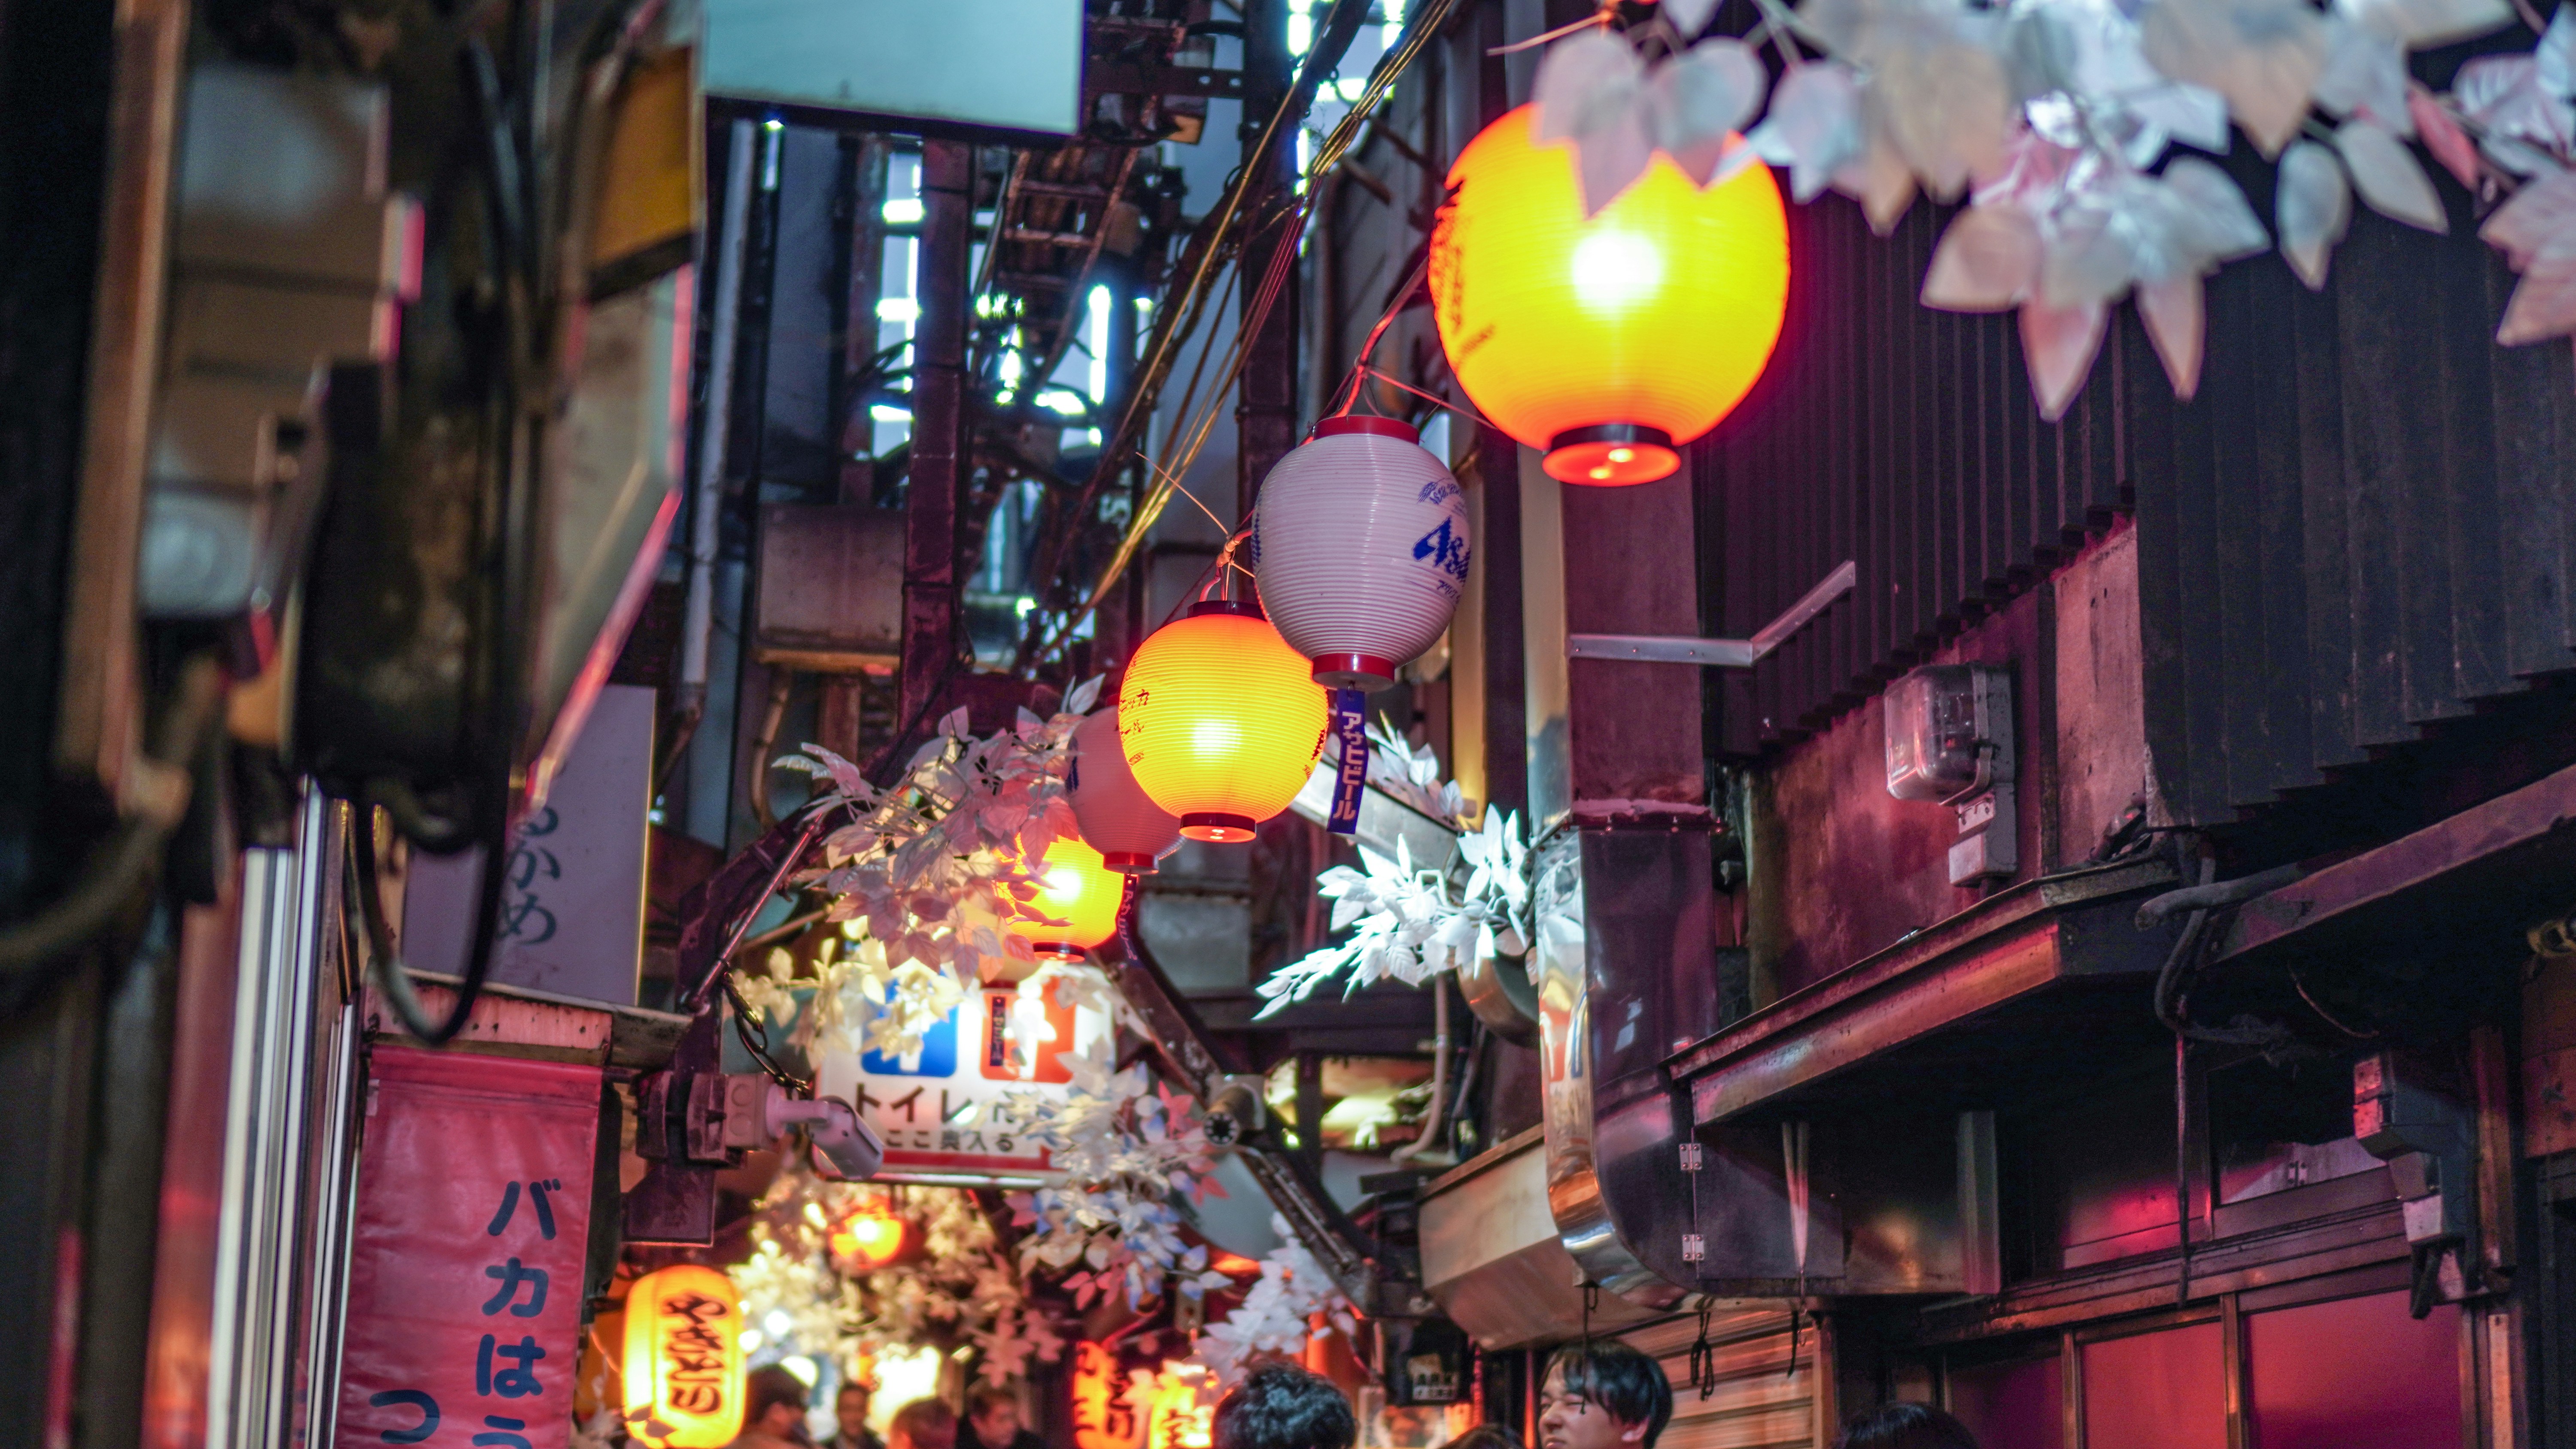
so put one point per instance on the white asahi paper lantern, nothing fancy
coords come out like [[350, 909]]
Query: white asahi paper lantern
[[1117, 818], [1360, 546]]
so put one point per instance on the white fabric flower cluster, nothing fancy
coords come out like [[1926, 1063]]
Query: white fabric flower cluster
[[2051, 117]]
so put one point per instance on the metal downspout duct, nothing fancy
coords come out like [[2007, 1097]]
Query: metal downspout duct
[[1622, 873]]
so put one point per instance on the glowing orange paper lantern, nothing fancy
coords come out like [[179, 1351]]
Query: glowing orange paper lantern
[[1608, 342], [868, 1239], [1221, 720], [1078, 895], [683, 1368]]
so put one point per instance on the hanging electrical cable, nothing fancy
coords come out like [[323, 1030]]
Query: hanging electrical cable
[[1218, 251]]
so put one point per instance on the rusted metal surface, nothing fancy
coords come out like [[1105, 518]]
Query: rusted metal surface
[[1970, 933], [515, 1023], [1292, 1188], [2473, 881], [930, 593]]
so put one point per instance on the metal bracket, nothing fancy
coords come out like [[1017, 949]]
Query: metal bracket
[[1722, 653]]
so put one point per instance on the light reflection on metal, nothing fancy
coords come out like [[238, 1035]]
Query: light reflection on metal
[[1719, 653], [1574, 1196]]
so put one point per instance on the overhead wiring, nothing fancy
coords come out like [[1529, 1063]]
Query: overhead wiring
[[1189, 308]]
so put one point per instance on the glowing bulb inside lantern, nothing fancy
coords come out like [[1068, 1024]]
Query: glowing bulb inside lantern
[[1615, 271], [868, 1238], [1622, 455]]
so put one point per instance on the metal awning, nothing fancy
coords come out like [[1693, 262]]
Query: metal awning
[[2051, 969]]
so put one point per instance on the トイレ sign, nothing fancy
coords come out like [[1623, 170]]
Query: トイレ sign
[[944, 1111]]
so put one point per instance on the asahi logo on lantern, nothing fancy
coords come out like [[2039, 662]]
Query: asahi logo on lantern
[[1363, 547], [1446, 551]]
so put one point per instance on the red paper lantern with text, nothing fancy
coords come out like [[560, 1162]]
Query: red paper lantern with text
[[684, 1358], [1612, 340], [1221, 720]]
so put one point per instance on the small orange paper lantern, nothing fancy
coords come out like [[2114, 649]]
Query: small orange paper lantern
[[1221, 720], [1612, 341], [1078, 897], [868, 1239], [683, 1366]]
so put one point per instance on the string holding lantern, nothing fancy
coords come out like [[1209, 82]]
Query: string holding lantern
[[684, 1361], [1117, 817], [1221, 720], [1078, 898], [1360, 547], [1612, 340]]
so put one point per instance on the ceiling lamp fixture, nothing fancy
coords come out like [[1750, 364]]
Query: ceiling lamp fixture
[[1116, 815], [1612, 340], [1221, 721], [684, 1358], [1078, 898], [1360, 546]]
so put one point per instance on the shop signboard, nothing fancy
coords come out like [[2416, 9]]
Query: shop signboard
[[946, 1112], [465, 1266]]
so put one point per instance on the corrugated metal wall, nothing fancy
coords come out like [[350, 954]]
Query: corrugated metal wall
[[2364, 524], [1758, 1402]]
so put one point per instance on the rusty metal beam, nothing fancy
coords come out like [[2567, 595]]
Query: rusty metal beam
[[2488, 871], [1292, 1188], [938, 427]]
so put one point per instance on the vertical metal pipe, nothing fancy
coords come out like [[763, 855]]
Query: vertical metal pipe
[[1265, 414], [706, 503], [938, 426]]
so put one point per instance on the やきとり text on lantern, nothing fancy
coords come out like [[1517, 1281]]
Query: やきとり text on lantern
[[1221, 722], [1612, 340], [684, 1358], [1360, 546]]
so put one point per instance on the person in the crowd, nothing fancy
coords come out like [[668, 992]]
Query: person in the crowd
[[993, 1421], [850, 1411], [1602, 1395], [922, 1424], [1486, 1436], [1278, 1407], [1905, 1426], [773, 1411]]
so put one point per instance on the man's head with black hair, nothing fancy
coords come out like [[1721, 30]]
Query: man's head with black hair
[[773, 1402], [1905, 1426], [1279, 1407], [1603, 1395]]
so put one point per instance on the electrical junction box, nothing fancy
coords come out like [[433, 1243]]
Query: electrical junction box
[[1949, 738]]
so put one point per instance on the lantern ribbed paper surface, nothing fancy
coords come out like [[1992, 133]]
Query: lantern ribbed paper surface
[[1221, 722], [1609, 342], [684, 1357], [1080, 899], [1117, 816], [1360, 545]]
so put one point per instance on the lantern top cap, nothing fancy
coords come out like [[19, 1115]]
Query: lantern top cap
[[1382, 427], [1243, 608]]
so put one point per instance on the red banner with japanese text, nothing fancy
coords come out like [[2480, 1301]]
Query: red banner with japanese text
[[465, 1262]]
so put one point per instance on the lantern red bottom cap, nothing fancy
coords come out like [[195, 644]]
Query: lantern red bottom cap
[[1218, 829], [1128, 862], [1611, 455], [1055, 951], [1354, 671]]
